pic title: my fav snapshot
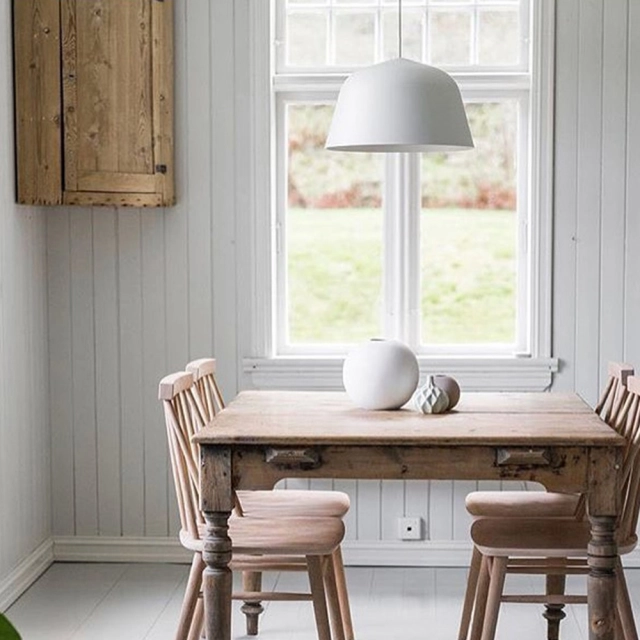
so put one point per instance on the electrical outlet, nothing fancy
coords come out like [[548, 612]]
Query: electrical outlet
[[410, 528]]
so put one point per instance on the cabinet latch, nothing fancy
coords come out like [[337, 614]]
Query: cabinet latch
[[161, 168]]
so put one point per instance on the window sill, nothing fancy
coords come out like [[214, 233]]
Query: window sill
[[473, 374]]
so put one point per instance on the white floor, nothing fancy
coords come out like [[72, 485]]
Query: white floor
[[142, 601]]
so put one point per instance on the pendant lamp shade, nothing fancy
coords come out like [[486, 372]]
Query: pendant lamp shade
[[399, 105]]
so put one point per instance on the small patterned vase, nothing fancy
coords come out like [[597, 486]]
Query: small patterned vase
[[430, 398]]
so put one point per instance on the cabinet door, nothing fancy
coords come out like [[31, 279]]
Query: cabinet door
[[117, 101]]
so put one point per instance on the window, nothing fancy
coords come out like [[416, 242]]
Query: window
[[447, 252]]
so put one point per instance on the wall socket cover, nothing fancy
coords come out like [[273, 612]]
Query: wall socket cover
[[410, 528]]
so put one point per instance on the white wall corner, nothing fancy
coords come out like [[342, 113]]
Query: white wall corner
[[25, 574]]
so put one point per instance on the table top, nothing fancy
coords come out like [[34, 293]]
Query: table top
[[296, 418]]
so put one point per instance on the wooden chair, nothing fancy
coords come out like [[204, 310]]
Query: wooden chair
[[539, 504], [275, 504], [557, 547], [279, 544]]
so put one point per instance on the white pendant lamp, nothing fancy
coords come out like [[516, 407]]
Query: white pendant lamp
[[399, 105]]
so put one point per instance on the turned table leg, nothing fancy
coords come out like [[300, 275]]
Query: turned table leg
[[217, 577], [601, 585], [216, 503]]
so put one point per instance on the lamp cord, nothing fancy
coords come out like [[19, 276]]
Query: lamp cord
[[399, 28]]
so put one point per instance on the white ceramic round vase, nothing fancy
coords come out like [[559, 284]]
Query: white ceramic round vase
[[380, 374]]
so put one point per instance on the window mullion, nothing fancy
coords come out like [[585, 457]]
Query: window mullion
[[412, 262], [401, 247]]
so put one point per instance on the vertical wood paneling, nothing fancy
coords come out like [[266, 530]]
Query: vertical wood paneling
[[369, 509], [60, 368], [440, 510], [131, 374], [565, 208], [154, 367], [83, 373], [392, 508], [198, 192], [588, 197], [105, 267], [632, 265], [614, 150], [223, 138]]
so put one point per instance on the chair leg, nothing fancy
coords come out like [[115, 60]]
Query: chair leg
[[482, 591], [194, 584], [197, 624], [554, 613], [470, 594], [619, 632], [318, 597], [252, 581], [496, 586], [343, 594], [335, 615], [623, 601]]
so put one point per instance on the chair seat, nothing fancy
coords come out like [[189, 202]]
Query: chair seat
[[518, 504], [535, 537], [290, 503], [282, 536]]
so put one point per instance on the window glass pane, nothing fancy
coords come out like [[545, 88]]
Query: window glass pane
[[498, 38], [334, 235], [306, 39], [412, 34], [354, 38], [469, 233], [450, 37]]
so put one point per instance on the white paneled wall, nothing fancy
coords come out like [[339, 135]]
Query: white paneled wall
[[133, 294], [25, 471], [131, 297], [597, 201]]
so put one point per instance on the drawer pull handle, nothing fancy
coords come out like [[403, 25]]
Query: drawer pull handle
[[524, 457], [293, 458]]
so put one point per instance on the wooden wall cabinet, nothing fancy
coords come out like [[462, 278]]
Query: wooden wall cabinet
[[94, 102]]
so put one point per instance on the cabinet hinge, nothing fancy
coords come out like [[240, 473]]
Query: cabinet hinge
[[161, 168]]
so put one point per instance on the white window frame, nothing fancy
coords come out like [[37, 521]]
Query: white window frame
[[530, 368]]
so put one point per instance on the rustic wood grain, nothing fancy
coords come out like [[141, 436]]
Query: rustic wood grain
[[292, 418], [117, 67], [37, 100], [163, 99], [111, 199]]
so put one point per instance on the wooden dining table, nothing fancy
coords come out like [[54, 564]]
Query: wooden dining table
[[551, 438]]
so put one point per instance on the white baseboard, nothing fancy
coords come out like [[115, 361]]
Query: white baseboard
[[25, 574], [356, 553], [119, 549]]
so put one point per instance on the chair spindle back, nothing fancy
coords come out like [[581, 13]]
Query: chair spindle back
[[613, 395], [184, 417], [204, 374], [628, 425]]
